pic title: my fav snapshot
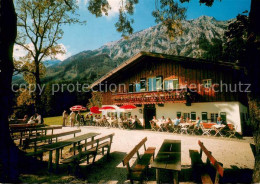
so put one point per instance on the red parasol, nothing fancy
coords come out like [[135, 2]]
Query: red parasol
[[107, 108], [128, 107], [95, 110], [78, 108]]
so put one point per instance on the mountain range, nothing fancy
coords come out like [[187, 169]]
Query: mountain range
[[88, 66]]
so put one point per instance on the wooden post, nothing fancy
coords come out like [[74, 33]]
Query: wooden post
[[175, 177], [21, 138], [208, 161], [57, 158], [138, 155], [157, 175], [50, 161], [217, 174]]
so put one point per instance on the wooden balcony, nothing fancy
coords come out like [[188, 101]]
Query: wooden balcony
[[153, 97]]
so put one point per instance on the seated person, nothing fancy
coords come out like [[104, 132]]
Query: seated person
[[25, 119], [154, 123], [125, 118], [122, 123], [188, 120], [182, 120], [38, 119], [168, 124], [162, 119], [154, 120], [113, 121], [137, 123], [177, 121], [219, 122], [31, 120], [104, 120]]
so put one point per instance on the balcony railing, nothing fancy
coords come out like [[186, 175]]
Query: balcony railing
[[153, 97]]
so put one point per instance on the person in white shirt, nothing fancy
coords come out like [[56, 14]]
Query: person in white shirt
[[38, 118], [32, 120]]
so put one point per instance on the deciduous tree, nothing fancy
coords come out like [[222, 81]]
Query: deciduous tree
[[39, 30]]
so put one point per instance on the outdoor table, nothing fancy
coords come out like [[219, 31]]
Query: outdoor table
[[25, 125], [23, 128], [184, 127], [169, 158], [218, 129], [60, 145]]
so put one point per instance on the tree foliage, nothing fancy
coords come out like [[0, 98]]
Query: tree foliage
[[95, 100], [124, 23], [98, 7], [170, 14], [235, 47]]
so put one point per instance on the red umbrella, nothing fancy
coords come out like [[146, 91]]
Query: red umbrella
[[95, 110], [78, 108], [107, 108], [128, 107]]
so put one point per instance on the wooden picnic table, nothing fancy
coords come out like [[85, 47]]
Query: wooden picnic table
[[30, 129], [25, 125], [169, 158], [60, 145]]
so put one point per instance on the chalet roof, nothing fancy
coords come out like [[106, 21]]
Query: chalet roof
[[138, 57]]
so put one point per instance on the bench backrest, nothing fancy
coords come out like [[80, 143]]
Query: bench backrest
[[133, 151], [42, 138], [212, 160], [92, 143], [79, 147], [110, 136]]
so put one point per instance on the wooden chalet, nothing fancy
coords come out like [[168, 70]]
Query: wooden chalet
[[171, 86]]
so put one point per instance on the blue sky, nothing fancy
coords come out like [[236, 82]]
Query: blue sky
[[99, 31]]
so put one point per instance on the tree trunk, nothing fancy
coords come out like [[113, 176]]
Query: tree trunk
[[37, 91], [8, 151], [253, 66]]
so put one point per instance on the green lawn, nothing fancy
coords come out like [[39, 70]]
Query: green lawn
[[53, 120]]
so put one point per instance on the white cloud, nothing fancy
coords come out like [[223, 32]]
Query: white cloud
[[115, 5], [19, 51], [63, 56]]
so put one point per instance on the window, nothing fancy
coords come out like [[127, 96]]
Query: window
[[131, 88], [179, 114], [207, 83], [223, 117], [137, 87], [186, 115], [143, 84], [152, 84], [155, 83], [193, 115], [159, 83], [213, 117], [204, 116], [171, 84]]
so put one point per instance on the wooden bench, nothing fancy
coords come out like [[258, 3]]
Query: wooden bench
[[47, 138], [200, 169], [136, 172], [88, 149]]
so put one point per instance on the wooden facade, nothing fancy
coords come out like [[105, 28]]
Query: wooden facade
[[189, 72]]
